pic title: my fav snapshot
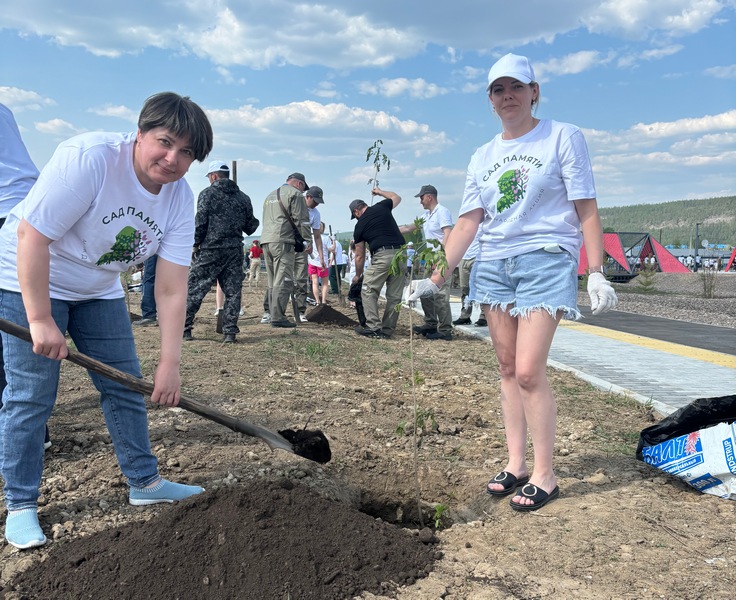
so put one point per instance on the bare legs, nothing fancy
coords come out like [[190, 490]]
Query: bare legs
[[315, 289], [522, 346], [219, 297]]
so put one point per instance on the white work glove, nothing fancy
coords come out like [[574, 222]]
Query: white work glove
[[602, 295], [424, 288]]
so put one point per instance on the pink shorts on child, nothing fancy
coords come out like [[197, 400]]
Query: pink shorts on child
[[318, 271]]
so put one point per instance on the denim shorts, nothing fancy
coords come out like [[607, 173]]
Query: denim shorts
[[538, 280]]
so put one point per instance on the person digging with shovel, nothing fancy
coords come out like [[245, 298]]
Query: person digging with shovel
[[104, 202]]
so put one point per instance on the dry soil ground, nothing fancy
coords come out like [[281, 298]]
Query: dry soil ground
[[264, 529]]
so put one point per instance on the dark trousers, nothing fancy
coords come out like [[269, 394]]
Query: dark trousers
[[148, 299], [225, 266], [335, 272], [354, 295]]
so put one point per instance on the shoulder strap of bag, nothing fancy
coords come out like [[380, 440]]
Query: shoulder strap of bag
[[286, 214]]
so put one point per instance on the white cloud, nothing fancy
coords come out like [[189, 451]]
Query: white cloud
[[644, 135], [58, 128], [325, 123], [710, 143], [227, 76], [18, 100], [639, 18], [239, 37], [723, 121], [727, 72], [281, 32], [120, 112], [451, 55], [570, 64], [390, 88], [429, 172], [630, 59], [326, 89]]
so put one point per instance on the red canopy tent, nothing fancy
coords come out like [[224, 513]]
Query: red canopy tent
[[618, 246], [730, 260]]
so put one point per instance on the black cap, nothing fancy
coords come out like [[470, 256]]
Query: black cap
[[315, 193], [355, 205], [427, 189], [299, 177]]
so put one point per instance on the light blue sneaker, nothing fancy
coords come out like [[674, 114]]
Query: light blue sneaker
[[163, 491], [22, 529]]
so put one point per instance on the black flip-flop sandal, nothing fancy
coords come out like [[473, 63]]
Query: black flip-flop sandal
[[536, 495], [509, 481]]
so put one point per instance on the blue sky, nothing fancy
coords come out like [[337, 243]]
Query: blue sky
[[291, 86]]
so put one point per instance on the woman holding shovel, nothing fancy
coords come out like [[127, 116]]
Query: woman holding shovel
[[531, 191], [103, 203]]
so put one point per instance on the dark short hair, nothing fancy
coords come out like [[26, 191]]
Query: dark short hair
[[182, 117]]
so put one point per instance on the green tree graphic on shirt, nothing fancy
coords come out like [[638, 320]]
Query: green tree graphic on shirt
[[125, 249], [512, 185]]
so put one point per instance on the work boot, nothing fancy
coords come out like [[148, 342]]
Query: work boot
[[481, 322], [187, 337], [284, 323], [229, 338], [424, 329], [438, 335], [366, 332], [461, 321], [146, 322]]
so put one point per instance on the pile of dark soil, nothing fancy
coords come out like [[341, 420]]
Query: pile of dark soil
[[279, 540], [326, 315]]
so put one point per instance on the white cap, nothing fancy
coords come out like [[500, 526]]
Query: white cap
[[511, 65], [217, 165]]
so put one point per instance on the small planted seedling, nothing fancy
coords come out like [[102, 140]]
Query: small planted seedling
[[380, 159], [439, 515]]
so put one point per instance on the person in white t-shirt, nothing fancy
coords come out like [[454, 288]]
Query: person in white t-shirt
[[338, 260], [103, 203], [18, 173], [313, 198], [530, 190], [316, 267], [437, 226]]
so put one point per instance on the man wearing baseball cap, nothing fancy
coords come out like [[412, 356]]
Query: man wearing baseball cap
[[437, 226], [377, 227], [282, 207], [224, 214]]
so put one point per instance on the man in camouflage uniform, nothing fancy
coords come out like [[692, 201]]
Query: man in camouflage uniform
[[224, 213], [277, 241]]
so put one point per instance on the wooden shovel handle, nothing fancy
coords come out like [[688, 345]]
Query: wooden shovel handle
[[273, 439]]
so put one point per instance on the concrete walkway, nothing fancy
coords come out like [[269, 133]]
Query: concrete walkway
[[660, 361]]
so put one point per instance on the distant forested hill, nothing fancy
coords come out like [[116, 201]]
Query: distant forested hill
[[674, 222]]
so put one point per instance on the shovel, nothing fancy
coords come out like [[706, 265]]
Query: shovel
[[309, 444]]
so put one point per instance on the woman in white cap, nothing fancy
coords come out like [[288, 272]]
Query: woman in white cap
[[530, 190]]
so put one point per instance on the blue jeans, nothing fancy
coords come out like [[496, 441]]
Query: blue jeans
[[148, 300], [100, 329]]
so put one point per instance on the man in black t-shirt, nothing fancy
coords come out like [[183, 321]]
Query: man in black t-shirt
[[377, 227]]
